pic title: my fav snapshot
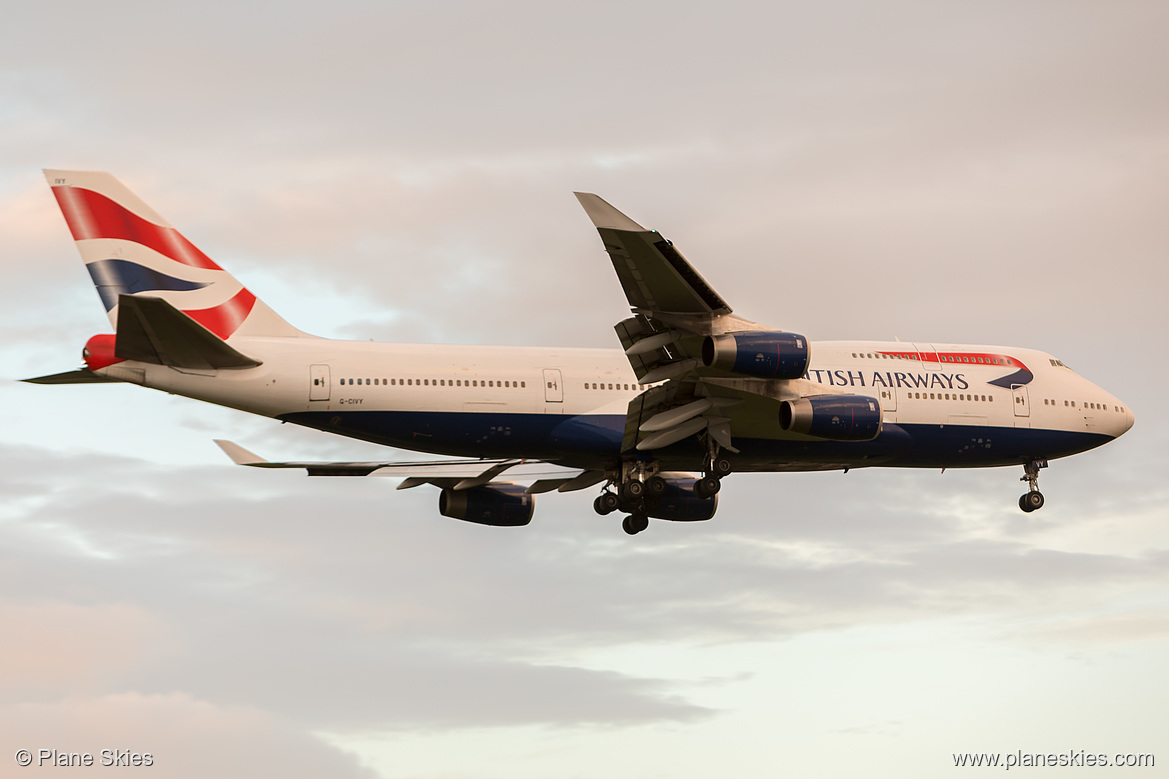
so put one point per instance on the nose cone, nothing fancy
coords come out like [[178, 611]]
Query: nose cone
[[1120, 420]]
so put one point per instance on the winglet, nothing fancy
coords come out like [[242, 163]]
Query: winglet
[[604, 215], [238, 454]]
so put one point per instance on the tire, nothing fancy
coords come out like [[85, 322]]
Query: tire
[[657, 486], [632, 489], [707, 487], [609, 502], [635, 523], [721, 467], [1031, 501]]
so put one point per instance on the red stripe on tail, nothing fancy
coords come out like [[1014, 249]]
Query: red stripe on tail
[[92, 215], [225, 319]]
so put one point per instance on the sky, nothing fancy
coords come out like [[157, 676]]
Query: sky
[[989, 173]]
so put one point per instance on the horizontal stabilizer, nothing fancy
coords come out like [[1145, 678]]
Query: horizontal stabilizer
[[152, 330], [79, 376]]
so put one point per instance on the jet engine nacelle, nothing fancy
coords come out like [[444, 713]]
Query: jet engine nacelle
[[499, 505], [765, 355], [835, 417], [678, 503]]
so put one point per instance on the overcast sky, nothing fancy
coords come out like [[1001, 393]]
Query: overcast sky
[[992, 172]]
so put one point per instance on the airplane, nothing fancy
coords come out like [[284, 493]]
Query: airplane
[[693, 394]]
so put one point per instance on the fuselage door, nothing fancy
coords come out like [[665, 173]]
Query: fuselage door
[[318, 384], [553, 389], [1021, 402], [888, 399]]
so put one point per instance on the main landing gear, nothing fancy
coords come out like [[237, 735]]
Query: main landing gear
[[1032, 500], [713, 470], [631, 494], [639, 487]]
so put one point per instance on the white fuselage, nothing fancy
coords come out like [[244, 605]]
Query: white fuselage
[[940, 405]]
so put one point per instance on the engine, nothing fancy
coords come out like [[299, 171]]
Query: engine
[[765, 355], [499, 505], [677, 501], [834, 417]]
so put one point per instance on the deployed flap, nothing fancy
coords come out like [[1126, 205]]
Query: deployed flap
[[152, 330]]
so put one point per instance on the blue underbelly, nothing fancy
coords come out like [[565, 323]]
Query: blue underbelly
[[594, 441]]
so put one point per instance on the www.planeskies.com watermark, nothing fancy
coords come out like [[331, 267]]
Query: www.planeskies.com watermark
[[1073, 758]]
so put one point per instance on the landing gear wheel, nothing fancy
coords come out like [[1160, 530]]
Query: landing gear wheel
[[606, 503], [632, 489], [1031, 501], [721, 467], [657, 486], [635, 523], [707, 487]]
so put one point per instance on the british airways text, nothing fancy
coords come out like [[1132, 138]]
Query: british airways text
[[843, 378]]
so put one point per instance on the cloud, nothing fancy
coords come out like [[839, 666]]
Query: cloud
[[346, 606]]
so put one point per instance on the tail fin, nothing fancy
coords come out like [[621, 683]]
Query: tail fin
[[128, 249]]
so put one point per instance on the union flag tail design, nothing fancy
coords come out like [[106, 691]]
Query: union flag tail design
[[129, 249]]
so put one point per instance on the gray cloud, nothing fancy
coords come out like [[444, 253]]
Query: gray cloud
[[260, 592]]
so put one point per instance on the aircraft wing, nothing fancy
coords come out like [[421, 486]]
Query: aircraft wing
[[674, 307], [655, 276], [449, 474], [675, 314]]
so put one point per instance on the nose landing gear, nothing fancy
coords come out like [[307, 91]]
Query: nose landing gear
[[1032, 500]]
